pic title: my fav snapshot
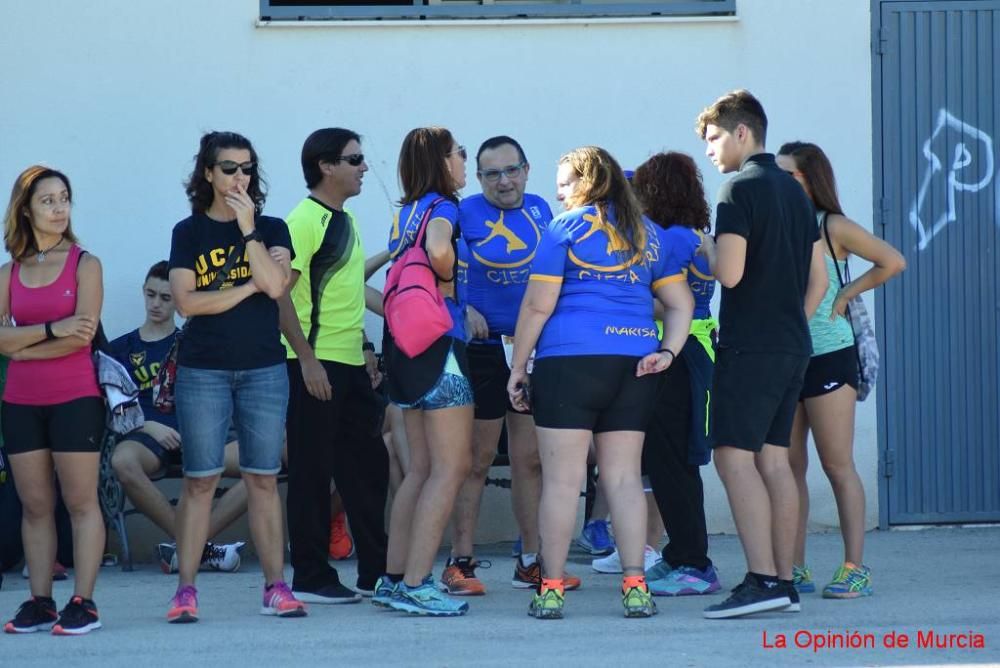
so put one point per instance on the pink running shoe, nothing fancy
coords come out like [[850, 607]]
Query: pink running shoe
[[279, 601], [183, 606]]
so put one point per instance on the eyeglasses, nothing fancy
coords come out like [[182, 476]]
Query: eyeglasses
[[229, 167], [352, 159], [461, 151], [493, 175]]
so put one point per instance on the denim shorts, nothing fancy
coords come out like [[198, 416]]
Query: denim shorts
[[254, 400], [451, 389]]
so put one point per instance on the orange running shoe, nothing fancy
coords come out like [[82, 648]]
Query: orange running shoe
[[459, 577], [530, 577], [341, 544]]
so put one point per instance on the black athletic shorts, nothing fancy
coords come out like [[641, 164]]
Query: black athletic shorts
[[73, 426], [829, 372], [167, 458], [489, 374], [596, 392], [754, 396]]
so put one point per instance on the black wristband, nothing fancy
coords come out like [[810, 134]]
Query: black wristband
[[254, 235], [668, 350], [49, 334], [368, 345]]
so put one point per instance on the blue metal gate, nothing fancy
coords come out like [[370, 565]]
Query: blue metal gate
[[937, 189]]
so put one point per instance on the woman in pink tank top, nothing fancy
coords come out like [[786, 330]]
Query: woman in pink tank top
[[53, 413]]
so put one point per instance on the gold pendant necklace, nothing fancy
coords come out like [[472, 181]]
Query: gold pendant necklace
[[41, 254]]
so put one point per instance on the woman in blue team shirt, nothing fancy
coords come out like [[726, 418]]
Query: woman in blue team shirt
[[432, 388], [829, 393], [589, 309], [670, 189]]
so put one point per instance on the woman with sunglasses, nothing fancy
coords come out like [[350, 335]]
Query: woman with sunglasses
[[53, 412], [231, 362], [433, 388], [829, 394], [588, 309]]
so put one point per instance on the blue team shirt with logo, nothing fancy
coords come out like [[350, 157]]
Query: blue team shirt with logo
[[684, 243], [403, 234], [143, 360], [605, 304], [501, 244]]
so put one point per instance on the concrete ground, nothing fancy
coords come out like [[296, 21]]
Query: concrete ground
[[945, 581]]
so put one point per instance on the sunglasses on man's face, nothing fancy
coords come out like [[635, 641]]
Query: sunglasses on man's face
[[229, 167], [352, 159]]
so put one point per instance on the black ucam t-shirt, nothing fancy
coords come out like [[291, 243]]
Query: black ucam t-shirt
[[246, 336], [768, 208]]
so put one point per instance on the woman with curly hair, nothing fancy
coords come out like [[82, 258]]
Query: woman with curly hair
[[588, 309], [828, 397], [231, 363], [670, 189]]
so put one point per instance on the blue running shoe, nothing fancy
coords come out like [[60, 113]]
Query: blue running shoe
[[384, 591], [515, 551], [850, 581], [426, 600], [596, 539], [802, 579], [686, 581]]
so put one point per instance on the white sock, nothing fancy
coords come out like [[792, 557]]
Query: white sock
[[528, 558]]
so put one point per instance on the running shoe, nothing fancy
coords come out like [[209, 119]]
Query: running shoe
[[341, 543], [802, 578], [38, 613], [166, 555], [58, 572], [384, 590], [547, 604], [749, 597], [329, 594], [685, 581], [459, 577], [426, 600], [222, 557], [793, 596], [183, 606], [77, 618], [850, 581], [517, 548], [530, 577], [281, 602], [638, 602], [613, 562], [596, 538]]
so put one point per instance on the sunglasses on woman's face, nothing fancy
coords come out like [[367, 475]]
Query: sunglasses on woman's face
[[229, 167]]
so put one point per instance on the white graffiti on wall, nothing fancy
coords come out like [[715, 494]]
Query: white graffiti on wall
[[962, 175]]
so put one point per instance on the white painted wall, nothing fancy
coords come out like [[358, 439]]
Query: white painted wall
[[117, 92]]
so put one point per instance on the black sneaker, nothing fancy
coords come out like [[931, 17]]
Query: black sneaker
[[749, 597], [36, 614], [78, 617], [793, 596], [328, 594]]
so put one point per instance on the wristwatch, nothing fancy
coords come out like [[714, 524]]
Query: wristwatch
[[368, 345], [253, 236]]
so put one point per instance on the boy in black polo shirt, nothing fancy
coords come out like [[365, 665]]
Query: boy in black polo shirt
[[772, 275]]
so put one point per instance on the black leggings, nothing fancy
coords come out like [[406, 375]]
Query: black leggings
[[677, 485]]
